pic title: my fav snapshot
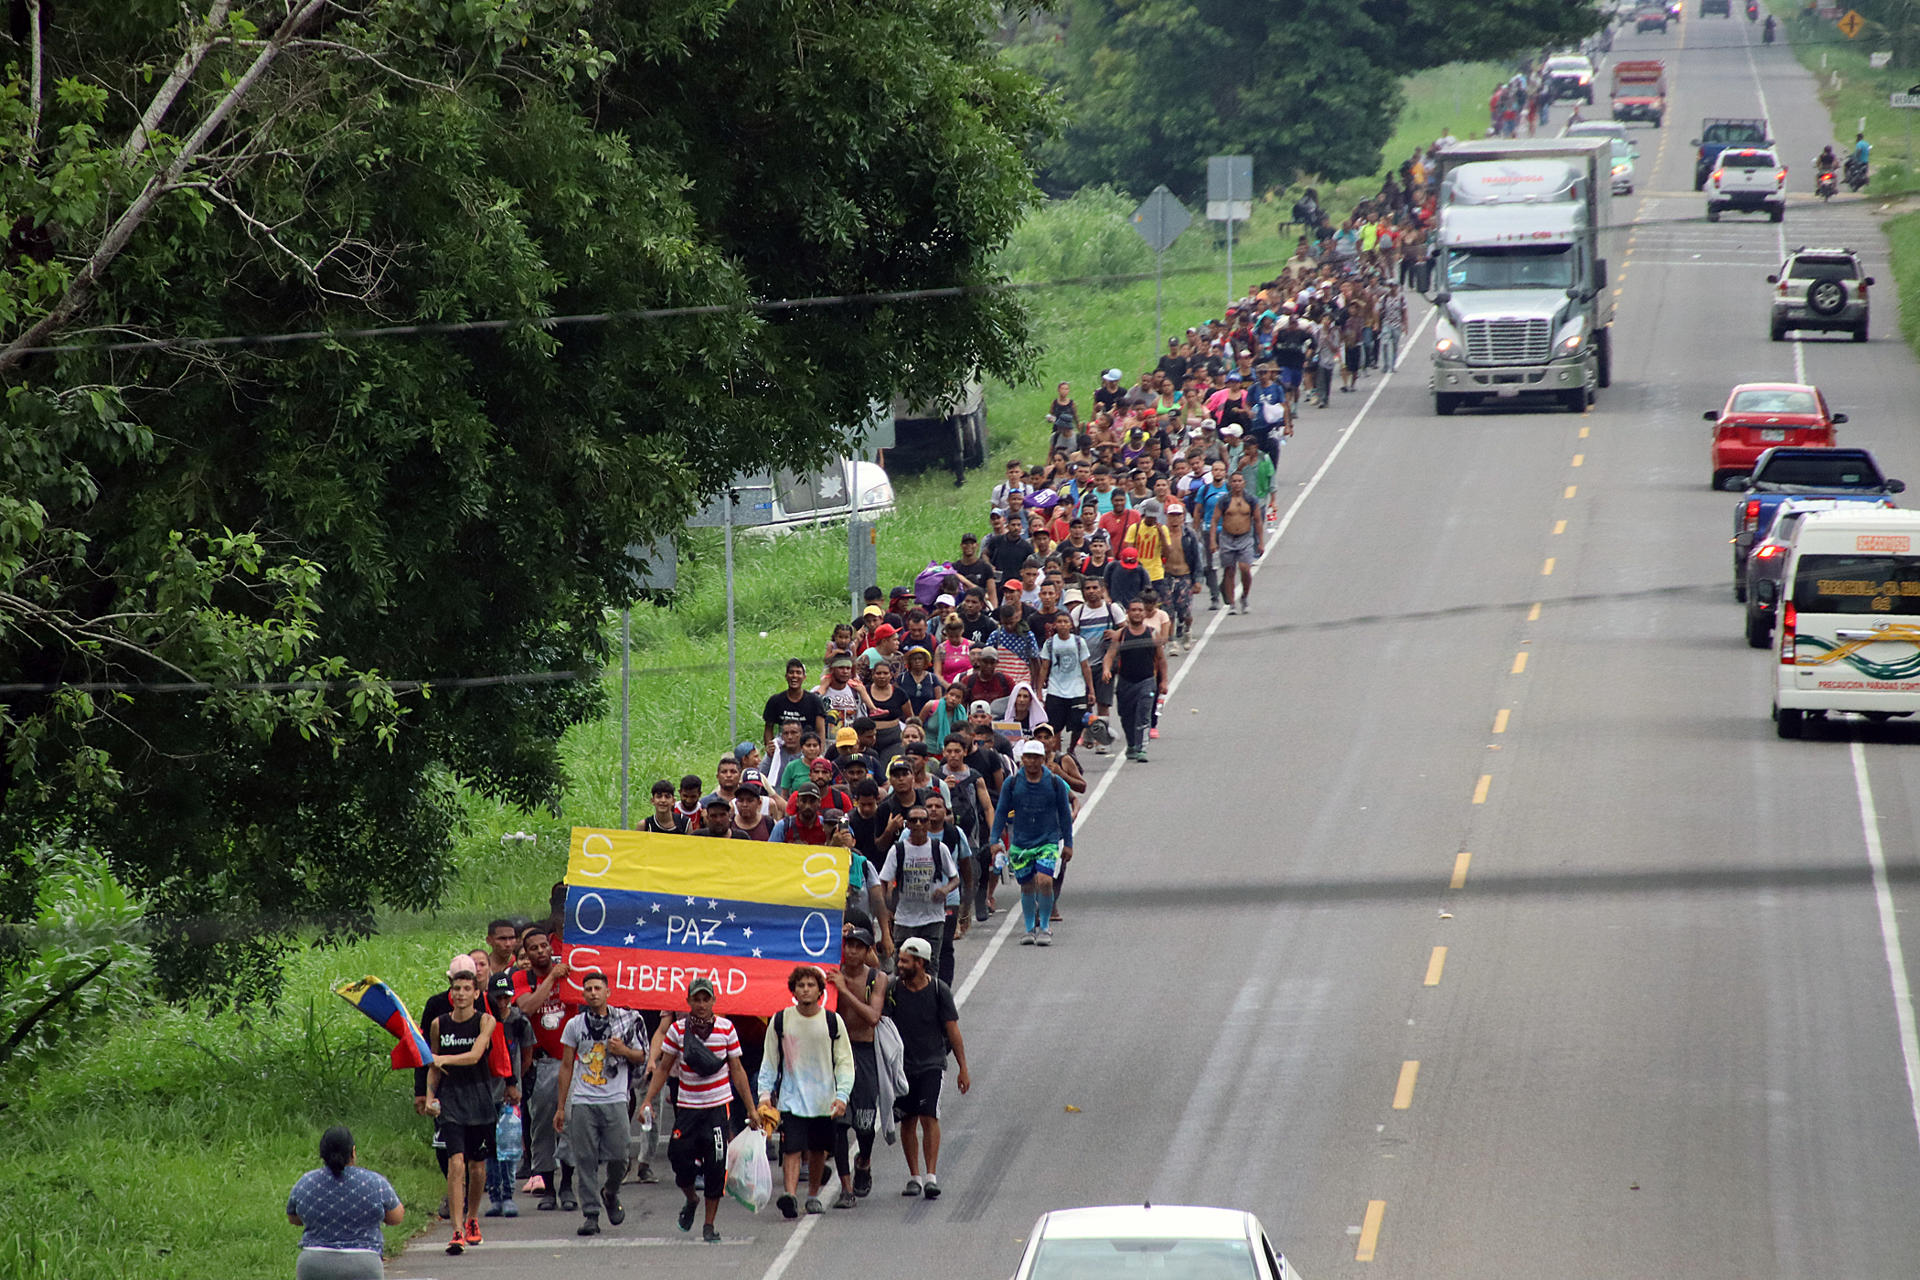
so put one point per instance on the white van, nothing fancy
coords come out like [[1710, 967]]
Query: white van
[[1848, 637]]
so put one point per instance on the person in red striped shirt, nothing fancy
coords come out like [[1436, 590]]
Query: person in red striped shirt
[[701, 1123]]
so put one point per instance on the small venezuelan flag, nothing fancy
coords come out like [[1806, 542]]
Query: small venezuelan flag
[[376, 999]]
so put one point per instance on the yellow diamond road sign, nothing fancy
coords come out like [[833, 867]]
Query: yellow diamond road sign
[[1850, 23]]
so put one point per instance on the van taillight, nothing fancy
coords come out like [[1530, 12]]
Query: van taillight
[[1770, 551], [1788, 618], [1753, 514]]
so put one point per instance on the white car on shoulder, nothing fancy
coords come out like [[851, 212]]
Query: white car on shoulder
[[1152, 1242]]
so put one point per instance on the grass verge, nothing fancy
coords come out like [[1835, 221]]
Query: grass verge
[[167, 1150]]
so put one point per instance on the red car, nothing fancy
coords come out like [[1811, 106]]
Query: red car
[[1760, 415]]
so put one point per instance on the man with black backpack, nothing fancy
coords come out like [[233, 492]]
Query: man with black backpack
[[924, 870], [807, 1074], [923, 1011], [701, 1052]]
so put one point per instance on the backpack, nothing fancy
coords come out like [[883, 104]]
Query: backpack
[[833, 1038], [926, 583]]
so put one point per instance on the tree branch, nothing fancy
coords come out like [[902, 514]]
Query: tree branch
[[81, 287], [183, 69], [35, 34], [58, 998]]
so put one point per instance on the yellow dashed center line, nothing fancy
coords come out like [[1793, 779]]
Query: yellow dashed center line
[[1519, 662], [1435, 963], [1370, 1231], [1500, 720], [1547, 568], [1559, 527], [1533, 614], [1579, 459], [1461, 861], [1481, 787], [1571, 490], [1403, 1092], [1583, 432]]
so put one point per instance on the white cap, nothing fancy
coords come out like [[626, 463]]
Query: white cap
[[1111, 375], [980, 705], [1033, 747]]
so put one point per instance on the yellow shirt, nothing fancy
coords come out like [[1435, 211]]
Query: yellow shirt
[[1150, 540]]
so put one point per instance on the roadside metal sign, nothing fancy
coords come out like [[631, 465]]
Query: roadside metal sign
[[1230, 188], [652, 566], [1160, 219], [1880, 58], [1910, 101], [1850, 24]]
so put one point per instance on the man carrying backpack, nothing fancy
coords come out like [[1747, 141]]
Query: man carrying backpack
[[923, 1010], [1034, 819], [807, 1074], [702, 1052], [924, 871]]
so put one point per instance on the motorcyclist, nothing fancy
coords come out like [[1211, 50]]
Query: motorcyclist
[[1753, 10], [1827, 162], [1861, 149]]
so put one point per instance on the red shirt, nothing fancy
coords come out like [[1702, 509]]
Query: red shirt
[[550, 1018]]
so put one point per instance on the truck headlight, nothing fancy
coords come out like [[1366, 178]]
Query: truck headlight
[[1571, 343], [1443, 346], [878, 496]]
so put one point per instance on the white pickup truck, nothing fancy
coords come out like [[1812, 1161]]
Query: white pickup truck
[[1748, 180]]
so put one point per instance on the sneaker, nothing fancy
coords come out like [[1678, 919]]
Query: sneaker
[[645, 1173], [457, 1245], [567, 1202], [508, 1209], [789, 1206], [1100, 750], [493, 1210], [846, 1201], [912, 1188], [1044, 940], [1213, 607], [814, 1205], [1025, 942], [687, 1212], [1153, 735], [932, 1191], [473, 1231], [591, 1227], [710, 1234], [863, 1180], [546, 1203], [615, 1214], [1173, 648]]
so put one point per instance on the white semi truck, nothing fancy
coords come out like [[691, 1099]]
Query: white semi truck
[[1520, 277]]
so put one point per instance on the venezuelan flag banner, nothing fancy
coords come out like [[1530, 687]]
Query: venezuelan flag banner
[[376, 999], [653, 912]]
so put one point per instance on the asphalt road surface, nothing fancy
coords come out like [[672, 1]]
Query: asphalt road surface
[[1469, 919]]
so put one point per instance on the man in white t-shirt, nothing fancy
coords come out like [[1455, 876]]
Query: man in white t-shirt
[[701, 1128], [1066, 679], [602, 1044], [924, 871]]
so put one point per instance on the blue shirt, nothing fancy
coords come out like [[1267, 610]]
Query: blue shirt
[[1035, 813], [342, 1212]]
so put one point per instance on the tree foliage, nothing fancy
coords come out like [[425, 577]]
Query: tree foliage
[[1306, 87], [329, 514]]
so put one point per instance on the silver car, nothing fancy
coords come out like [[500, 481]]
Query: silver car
[[1820, 289], [1151, 1242], [1624, 152]]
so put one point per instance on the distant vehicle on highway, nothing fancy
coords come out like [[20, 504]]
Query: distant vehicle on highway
[[1848, 636], [1717, 133], [1747, 180], [1625, 154], [1151, 1242], [1650, 17], [1820, 289], [1783, 472], [1722, 7], [1759, 415], [1767, 565], [1639, 90], [1569, 75]]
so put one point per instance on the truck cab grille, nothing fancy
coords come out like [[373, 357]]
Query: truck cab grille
[[1508, 341]]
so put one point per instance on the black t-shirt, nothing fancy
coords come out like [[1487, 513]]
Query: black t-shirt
[[891, 804], [783, 710], [888, 711], [868, 833], [991, 766], [1007, 553], [977, 630], [1175, 367], [1105, 399], [678, 827], [921, 1018], [977, 574]]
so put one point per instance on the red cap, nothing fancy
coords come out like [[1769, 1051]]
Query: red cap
[[1014, 584], [1130, 557], [884, 631]]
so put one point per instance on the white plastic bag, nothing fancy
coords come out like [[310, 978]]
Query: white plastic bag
[[749, 1176]]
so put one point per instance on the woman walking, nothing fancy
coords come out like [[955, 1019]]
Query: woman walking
[[341, 1207]]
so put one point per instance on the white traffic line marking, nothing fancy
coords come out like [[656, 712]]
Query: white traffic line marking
[[1889, 933], [1000, 936], [1779, 228]]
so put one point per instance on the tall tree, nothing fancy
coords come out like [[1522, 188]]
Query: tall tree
[[1154, 87], [446, 503]]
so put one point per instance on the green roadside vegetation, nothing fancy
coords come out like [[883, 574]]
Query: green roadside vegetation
[[1852, 89], [165, 1149]]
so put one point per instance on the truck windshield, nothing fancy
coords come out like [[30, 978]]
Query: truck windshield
[[1534, 267], [1857, 584], [1800, 471]]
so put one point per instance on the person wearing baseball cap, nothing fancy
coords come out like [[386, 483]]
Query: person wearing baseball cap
[[924, 1012], [1033, 823], [1148, 540], [1126, 579], [701, 1131], [803, 825]]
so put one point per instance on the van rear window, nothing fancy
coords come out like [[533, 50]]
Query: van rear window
[[1857, 584]]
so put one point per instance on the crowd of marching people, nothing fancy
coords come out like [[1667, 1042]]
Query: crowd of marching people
[[942, 738]]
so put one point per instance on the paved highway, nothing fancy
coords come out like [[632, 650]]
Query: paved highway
[[1469, 920]]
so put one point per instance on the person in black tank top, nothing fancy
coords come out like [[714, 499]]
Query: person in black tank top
[[460, 1092]]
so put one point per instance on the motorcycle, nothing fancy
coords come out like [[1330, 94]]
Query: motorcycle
[[1753, 13], [1826, 184], [1856, 174]]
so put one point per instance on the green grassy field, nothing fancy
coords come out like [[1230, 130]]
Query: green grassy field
[[166, 1148]]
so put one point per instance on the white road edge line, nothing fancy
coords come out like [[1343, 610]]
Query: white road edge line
[[1779, 228], [800, 1233], [1889, 933]]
